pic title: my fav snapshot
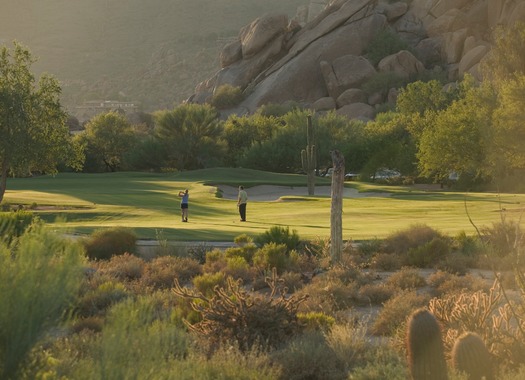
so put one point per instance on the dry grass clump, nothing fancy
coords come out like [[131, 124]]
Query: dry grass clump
[[393, 314], [415, 236], [123, 267], [406, 278], [292, 281], [328, 294], [376, 294], [444, 283], [386, 261], [161, 272]]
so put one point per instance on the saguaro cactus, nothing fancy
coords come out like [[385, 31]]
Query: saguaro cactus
[[308, 157], [426, 357], [471, 356]]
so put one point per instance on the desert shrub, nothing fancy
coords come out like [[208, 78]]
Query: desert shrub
[[382, 81], [227, 362], [272, 255], [103, 244], [237, 267], [467, 245], [316, 321], [308, 357], [379, 362], [370, 247], [91, 323], [242, 239], [226, 96], [215, 262], [376, 294], [39, 278], [14, 224], [205, 283], [448, 283], [198, 252], [293, 281], [414, 236], [162, 271], [328, 295], [406, 278], [97, 301], [267, 320], [124, 267], [394, 312], [246, 252], [456, 263], [428, 254], [385, 43], [503, 238], [386, 261], [279, 235], [136, 341]]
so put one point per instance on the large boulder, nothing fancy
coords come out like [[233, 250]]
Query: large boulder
[[349, 71], [359, 111], [443, 6], [231, 53], [402, 63], [472, 58], [451, 21], [352, 95], [255, 36], [298, 76], [453, 46]]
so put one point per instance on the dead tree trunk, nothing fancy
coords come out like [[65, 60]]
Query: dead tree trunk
[[336, 212]]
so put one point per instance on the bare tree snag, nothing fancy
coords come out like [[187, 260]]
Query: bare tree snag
[[336, 214]]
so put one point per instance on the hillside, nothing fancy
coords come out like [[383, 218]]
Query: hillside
[[154, 51]]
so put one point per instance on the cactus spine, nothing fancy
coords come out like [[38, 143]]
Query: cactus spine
[[308, 157], [471, 356], [426, 358]]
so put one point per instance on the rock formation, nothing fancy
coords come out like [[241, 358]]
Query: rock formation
[[319, 58]]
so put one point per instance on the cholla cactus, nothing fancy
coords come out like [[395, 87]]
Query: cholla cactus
[[426, 358], [308, 157], [471, 356]]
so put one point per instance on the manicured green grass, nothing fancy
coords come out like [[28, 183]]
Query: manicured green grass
[[148, 203]]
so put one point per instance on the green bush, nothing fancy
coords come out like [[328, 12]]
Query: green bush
[[272, 255], [161, 272], [103, 244], [315, 320], [382, 81], [503, 238], [246, 252], [226, 96], [206, 282], [279, 235], [14, 224], [428, 254], [39, 278], [385, 43], [411, 237]]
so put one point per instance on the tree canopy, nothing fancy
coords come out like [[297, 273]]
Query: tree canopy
[[33, 131]]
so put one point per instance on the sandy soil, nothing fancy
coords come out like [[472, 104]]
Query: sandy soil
[[268, 193]]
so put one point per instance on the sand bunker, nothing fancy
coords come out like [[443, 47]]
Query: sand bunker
[[267, 193]]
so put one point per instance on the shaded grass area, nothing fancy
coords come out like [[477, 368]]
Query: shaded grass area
[[148, 203]]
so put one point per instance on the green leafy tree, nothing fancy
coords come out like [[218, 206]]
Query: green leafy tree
[[457, 140], [389, 144], [420, 97], [108, 138], [33, 131], [192, 135], [507, 56], [241, 132]]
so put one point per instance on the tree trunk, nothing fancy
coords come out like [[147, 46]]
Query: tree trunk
[[3, 178], [336, 214]]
